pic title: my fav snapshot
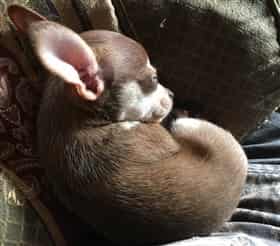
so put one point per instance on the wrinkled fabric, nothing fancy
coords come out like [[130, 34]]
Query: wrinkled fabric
[[230, 239]]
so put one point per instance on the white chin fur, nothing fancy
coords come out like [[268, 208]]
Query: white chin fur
[[128, 125], [138, 106]]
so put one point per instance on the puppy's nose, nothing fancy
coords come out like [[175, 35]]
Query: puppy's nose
[[170, 93]]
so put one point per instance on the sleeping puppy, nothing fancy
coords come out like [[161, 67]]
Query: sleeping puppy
[[105, 152]]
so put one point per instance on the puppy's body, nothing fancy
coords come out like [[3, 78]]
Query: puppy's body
[[140, 184], [105, 153]]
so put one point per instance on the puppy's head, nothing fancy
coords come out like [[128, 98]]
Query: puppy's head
[[104, 69]]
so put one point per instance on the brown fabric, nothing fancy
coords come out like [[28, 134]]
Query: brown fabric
[[21, 83], [219, 57]]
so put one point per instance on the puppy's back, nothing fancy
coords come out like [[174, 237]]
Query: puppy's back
[[141, 182]]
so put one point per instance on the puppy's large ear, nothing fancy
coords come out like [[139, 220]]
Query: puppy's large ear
[[62, 52]]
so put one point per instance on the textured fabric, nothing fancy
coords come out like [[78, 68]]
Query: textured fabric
[[229, 239], [18, 104], [19, 223], [262, 192], [219, 57]]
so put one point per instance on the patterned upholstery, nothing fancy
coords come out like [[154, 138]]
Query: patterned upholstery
[[21, 83], [20, 225]]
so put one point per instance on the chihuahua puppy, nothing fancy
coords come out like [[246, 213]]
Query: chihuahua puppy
[[105, 152]]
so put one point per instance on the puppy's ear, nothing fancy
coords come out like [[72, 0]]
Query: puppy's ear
[[62, 52]]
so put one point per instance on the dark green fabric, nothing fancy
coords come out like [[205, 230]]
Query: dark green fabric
[[219, 57]]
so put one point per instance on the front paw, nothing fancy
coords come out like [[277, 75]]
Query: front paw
[[184, 126]]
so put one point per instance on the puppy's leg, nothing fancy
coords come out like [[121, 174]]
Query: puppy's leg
[[207, 136], [185, 130], [216, 160]]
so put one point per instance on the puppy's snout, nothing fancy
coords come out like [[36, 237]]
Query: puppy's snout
[[166, 101]]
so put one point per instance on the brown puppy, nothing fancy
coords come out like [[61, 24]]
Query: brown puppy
[[105, 154]]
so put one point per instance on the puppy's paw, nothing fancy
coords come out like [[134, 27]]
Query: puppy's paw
[[181, 126]]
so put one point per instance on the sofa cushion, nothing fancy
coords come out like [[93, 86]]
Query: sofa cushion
[[219, 57]]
